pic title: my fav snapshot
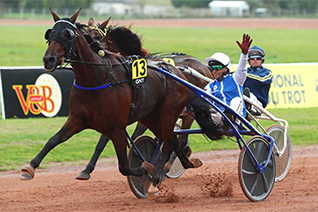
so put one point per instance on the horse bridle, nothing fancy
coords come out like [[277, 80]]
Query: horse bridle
[[66, 36], [69, 43]]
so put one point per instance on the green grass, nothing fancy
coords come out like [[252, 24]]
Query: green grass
[[22, 139], [25, 45], [280, 45]]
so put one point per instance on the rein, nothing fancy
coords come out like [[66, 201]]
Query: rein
[[89, 63]]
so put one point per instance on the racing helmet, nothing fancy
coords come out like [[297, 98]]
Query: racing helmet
[[256, 51], [221, 58]]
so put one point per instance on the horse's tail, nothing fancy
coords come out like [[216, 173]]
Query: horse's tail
[[201, 110]]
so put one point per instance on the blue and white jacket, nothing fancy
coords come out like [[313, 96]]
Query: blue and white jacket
[[231, 87]]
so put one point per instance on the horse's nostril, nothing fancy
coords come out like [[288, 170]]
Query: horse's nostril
[[48, 60]]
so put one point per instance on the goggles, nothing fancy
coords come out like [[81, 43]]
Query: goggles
[[216, 67], [257, 57]]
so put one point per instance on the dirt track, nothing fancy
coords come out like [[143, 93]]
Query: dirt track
[[272, 23], [213, 187]]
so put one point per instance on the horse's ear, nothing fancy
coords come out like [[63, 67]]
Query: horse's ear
[[105, 23], [91, 22], [74, 17], [55, 16]]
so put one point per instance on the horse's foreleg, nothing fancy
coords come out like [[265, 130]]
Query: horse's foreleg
[[61, 136], [120, 143], [85, 174]]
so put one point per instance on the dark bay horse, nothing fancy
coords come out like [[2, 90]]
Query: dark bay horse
[[123, 41], [101, 99]]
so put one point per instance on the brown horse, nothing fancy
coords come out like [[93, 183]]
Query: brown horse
[[123, 41], [101, 99]]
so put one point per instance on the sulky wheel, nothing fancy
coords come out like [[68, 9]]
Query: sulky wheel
[[282, 161], [255, 185], [147, 147]]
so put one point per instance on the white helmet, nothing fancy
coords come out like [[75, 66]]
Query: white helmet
[[221, 58]]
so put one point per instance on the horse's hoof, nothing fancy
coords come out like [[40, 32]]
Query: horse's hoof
[[83, 176], [27, 173], [153, 192], [196, 162], [148, 167]]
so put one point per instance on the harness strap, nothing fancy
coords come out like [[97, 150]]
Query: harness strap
[[91, 88], [99, 87], [134, 88]]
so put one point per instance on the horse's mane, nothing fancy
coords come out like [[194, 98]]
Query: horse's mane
[[82, 28], [127, 40]]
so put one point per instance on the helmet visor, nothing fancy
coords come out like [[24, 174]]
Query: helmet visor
[[257, 57], [215, 65]]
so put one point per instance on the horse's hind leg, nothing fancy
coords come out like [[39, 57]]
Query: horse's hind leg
[[186, 163], [61, 136], [85, 174], [187, 121], [164, 166]]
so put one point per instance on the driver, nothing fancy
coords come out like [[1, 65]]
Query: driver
[[227, 86], [259, 78]]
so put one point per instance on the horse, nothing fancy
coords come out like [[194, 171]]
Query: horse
[[101, 99], [121, 40]]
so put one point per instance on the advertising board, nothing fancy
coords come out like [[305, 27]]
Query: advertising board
[[33, 92]]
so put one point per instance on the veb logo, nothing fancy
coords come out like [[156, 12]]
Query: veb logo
[[43, 97]]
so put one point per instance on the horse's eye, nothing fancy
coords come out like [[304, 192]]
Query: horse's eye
[[68, 34], [47, 34]]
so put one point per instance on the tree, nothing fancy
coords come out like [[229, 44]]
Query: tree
[[190, 3], [69, 4], [177, 3], [12, 3], [254, 4]]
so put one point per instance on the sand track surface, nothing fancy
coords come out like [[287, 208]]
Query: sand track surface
[[212, 187]]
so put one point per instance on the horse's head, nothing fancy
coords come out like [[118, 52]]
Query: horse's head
[[98, 31], [62, 41], [102, 33]]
